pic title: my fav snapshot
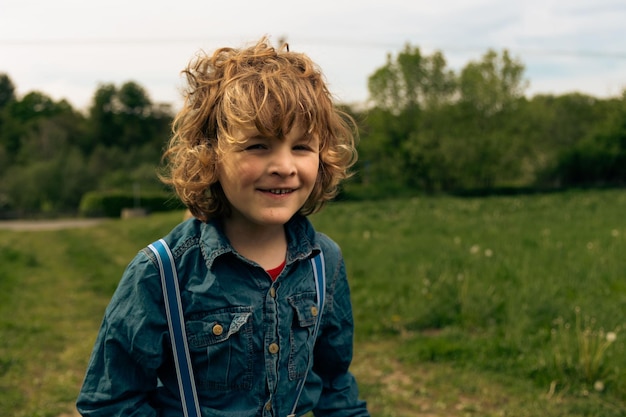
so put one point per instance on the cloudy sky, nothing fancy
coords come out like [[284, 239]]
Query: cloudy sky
[[66, 48]]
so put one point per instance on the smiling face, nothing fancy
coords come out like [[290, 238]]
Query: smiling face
[[268, 179]]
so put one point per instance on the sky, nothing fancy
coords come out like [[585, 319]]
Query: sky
[[67, 48]]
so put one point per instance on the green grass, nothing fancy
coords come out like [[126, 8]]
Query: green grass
[[501, 306]]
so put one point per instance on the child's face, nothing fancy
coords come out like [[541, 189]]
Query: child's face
[[268, 180]]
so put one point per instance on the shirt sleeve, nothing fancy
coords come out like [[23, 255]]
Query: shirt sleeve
[[122, 373], [333, 353]]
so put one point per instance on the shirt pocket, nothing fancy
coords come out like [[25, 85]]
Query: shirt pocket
[[305, 313], [220, 343]]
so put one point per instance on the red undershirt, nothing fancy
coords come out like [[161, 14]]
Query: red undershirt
[[275, 272]]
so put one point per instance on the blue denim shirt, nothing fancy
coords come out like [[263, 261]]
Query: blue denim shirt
[[250, 339]]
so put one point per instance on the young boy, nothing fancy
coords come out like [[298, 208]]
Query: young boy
[[257, 146]]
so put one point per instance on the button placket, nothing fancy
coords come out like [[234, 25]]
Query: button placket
[[271, 338]]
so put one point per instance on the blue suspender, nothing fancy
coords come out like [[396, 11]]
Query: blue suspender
[[176, 323], [320, 288]]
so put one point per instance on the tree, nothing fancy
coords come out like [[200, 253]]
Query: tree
[[600, 157], [408, 94], [103, 127], [412, 81], [26, 119], [445, 131], [50, 154], [492, 85], [553, 124], [7, 96], [126, 118], [491, 91], [134, 115], [7, 90]]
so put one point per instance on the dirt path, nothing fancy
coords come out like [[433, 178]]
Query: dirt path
[[40, 225]]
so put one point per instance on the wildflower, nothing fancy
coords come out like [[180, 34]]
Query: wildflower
[[475, 249], [611, 336], [615, 233], [598, 386], [488, 253], [367, 234]]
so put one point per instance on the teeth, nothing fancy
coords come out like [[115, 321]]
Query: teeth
[[279, 191]]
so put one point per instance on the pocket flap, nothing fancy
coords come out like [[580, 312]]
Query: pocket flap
[[215, 327], [305, 308]]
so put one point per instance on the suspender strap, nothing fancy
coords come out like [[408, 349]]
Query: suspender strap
[[176, 323], [320, 288]]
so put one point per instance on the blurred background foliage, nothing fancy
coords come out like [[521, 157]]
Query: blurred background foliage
[[425, 129]]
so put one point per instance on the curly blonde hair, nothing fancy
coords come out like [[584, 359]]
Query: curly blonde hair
[[265, 88]]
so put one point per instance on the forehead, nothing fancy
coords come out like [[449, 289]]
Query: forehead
[[296, 131]]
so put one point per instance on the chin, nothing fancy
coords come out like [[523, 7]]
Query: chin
[[276, 220]]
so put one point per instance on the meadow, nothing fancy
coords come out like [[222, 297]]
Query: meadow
[[491, 306]]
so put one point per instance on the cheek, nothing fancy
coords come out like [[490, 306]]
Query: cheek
[[245, 172], [241, 175], [313, 169]]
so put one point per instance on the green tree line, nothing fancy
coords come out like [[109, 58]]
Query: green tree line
[[51, 155], [432, 129], [426, 128]]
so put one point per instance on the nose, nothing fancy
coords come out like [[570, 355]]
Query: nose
[[283, 162]]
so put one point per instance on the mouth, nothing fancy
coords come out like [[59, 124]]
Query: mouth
[[279, 191]]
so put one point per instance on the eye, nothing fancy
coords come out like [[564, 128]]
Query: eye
[[306, 145], [255, 146], [302, 147]]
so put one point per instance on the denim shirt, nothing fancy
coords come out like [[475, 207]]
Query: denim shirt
[[250, 339]]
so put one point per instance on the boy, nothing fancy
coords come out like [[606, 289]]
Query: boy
[[257, 146]]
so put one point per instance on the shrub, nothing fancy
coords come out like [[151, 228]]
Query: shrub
[[111, 203]]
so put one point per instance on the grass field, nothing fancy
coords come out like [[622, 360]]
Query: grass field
[[502, 306]]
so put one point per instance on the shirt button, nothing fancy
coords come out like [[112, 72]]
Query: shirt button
[[273, 292], [314, 311], [218, 330], [268, 406], [273, 348]]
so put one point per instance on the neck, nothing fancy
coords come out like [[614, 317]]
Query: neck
[[267, 246]]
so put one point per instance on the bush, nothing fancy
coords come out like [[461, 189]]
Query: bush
[[111, 203]]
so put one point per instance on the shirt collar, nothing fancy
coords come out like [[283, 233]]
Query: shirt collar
[[301, 240]]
